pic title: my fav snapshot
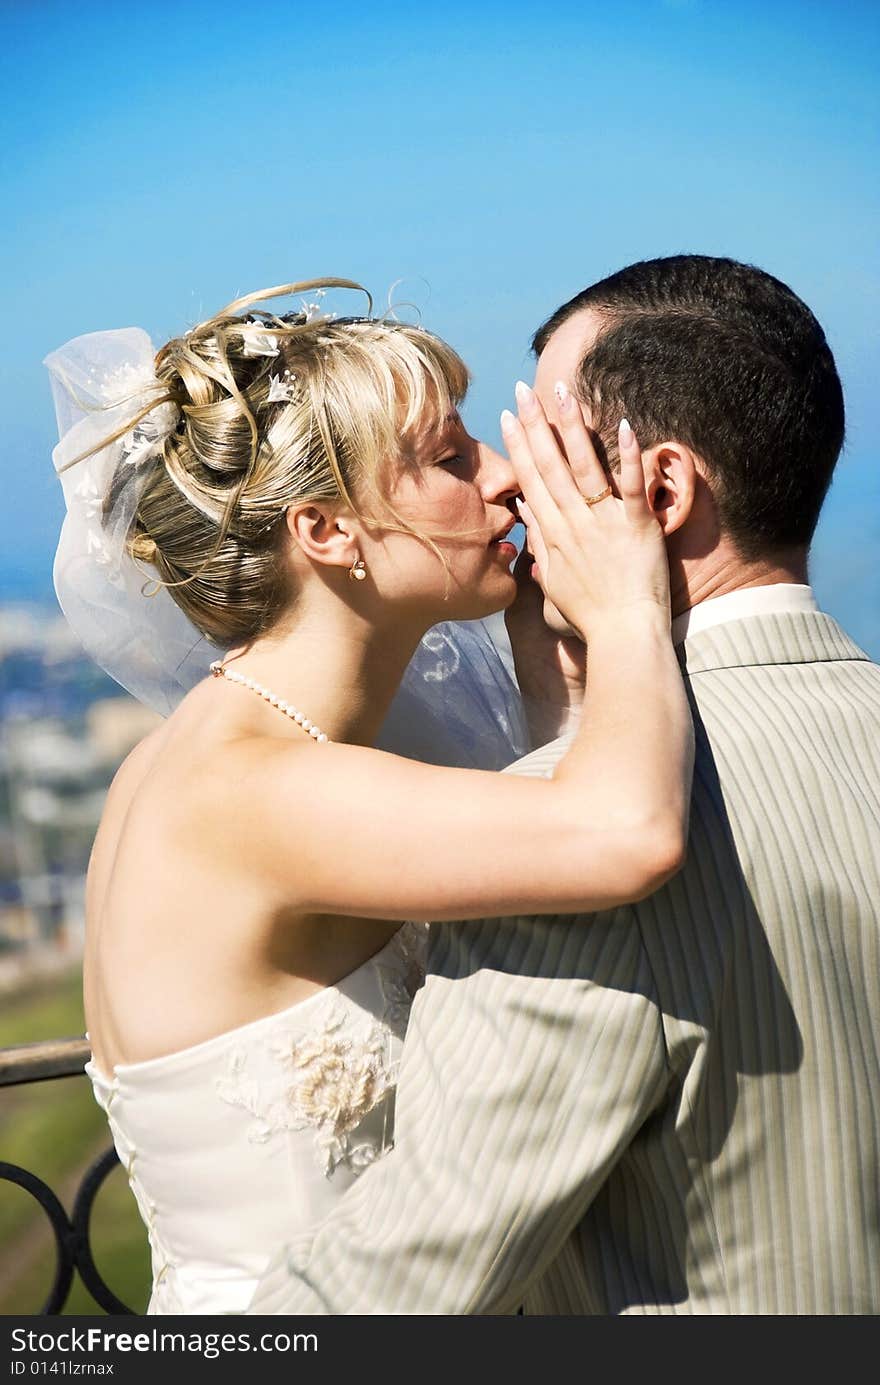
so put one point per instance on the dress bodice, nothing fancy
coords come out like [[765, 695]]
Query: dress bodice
[[237, 1144]]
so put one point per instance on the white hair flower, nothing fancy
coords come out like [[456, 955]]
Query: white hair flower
[[311, 311], [259, 344], [281, 391]]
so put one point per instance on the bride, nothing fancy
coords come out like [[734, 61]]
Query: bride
[[297, 496]]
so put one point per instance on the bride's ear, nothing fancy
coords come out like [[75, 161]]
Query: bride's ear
[[671, 473], [322, 534]]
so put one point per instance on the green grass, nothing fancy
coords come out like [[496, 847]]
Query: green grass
[[50, 1010], [54, 1129]]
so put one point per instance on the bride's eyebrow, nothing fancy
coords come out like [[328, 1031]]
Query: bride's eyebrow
[[439, 433], [451, 424]]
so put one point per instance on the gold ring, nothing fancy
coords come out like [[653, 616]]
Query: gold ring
[[594, 499]]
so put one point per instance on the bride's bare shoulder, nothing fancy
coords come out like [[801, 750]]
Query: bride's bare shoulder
[[125, 784], [196, 789], [166, 758]]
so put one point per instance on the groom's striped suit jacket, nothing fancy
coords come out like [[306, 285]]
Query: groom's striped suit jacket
[[666, 1108]]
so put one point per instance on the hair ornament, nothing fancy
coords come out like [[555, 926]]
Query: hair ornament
[[312, 311], [259, 343], [281, 388]]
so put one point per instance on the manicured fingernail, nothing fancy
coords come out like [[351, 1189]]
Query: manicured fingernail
[[563, 396], [525, 397], [508, 422], [625, 434]]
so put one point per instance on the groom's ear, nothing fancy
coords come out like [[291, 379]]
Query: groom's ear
[[671, 477]]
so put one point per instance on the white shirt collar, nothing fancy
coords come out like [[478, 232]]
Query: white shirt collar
[[748, 601]]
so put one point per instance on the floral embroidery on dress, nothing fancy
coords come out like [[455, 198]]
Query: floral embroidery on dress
[[332, 1078]]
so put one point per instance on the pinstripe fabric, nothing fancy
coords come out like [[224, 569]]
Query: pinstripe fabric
[[668, 1108]]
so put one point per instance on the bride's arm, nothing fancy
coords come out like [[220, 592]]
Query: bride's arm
[[348, 830], [360, 832]]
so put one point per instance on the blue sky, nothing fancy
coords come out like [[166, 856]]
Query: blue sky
[[157, 160]]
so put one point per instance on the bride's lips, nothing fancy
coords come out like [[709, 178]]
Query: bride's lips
[[508, 549], [502, 544]]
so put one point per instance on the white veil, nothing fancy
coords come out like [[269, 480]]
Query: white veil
[[458, 703], [100, 382]]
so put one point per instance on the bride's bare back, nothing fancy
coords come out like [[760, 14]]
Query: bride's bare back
[[185, 939]]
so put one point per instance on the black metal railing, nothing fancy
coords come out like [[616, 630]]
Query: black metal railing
[[42, 1062]]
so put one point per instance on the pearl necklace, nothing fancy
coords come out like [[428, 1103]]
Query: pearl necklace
[[219, 669]]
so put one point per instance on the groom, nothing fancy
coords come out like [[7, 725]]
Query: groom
[[672, 1107]]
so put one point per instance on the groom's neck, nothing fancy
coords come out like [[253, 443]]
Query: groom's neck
[[700, 578]]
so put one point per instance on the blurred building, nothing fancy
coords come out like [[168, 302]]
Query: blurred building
[[116, 724], [64, 730]]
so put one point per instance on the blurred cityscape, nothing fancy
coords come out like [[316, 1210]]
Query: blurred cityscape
[[65, 727]]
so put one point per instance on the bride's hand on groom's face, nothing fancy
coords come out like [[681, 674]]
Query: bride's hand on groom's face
[[549, 657], [598, 547]]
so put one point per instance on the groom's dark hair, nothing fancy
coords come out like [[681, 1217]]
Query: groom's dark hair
[[725, 358]]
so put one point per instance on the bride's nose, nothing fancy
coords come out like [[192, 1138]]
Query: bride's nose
[[495, 475]]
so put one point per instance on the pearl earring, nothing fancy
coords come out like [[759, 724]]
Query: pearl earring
[[358, 570]]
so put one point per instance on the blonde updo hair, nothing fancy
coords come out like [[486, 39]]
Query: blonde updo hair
[[208, 518]]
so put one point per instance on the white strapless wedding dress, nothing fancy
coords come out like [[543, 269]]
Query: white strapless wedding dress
[[234, 1146]]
